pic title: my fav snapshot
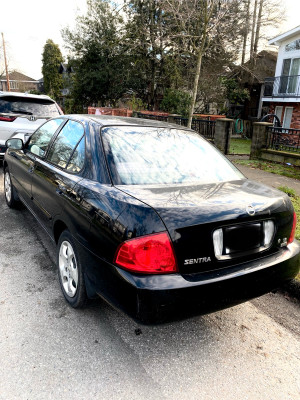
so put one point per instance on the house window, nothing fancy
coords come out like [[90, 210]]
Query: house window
[[287, 118], [289, 76], [278, 112], [295, 45], [13, 84]]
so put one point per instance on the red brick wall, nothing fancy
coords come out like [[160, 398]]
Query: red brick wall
[[122, 112], [295, 124], [296, 117]]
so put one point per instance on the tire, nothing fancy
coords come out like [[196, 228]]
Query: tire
[[70, 271], [10, 193]]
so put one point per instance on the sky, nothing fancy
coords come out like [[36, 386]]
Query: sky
[[29, 23], [27, 26]]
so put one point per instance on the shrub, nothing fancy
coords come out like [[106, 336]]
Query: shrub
[[176, 102]]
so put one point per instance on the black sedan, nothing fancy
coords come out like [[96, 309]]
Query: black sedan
[[150, 216]]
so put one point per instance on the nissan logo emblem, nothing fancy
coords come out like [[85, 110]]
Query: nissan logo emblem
[[250, 210]]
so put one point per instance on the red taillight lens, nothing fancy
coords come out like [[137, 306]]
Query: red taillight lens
[[7, 118], [292, 235], [152, 254]]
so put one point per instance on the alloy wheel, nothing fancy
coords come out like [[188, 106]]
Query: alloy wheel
[[68, 268], [7, 187]]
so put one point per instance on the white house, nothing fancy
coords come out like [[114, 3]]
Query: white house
[[282, 92]]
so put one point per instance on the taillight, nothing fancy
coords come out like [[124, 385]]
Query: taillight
[[151, 254], [292, 235], [7, 118]]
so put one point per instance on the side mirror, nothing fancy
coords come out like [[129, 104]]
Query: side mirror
[[21, 134], [15, 144]]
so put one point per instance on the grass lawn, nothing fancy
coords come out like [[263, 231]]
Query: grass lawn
[[296, 203], [279, 169], [240, 146]]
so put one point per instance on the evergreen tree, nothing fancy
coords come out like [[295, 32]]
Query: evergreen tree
[[155, 65], [52, 58], [99, 58]]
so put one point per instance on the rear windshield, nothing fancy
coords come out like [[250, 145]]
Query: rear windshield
[[143, 156], [19, 105]]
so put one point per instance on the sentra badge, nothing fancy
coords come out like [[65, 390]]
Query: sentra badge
[[197, 260]]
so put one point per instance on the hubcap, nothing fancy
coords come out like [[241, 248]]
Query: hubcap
[[68, 268], [7, 187]]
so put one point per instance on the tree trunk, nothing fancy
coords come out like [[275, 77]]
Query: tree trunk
[[258, 27], [195, 87], [253, 29], [201, 50], [152, 11], [246, 30]]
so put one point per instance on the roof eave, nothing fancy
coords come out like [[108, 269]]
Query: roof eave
[[284, 36]]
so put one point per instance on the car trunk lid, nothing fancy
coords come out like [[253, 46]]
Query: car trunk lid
[[240, 209]]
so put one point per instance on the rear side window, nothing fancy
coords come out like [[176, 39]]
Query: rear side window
[[41, 138], [77, 160], [66, 144], [28, 106]]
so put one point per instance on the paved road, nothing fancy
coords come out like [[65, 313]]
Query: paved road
[[50, 351]]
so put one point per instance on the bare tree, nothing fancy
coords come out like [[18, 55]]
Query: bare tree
[[253, 28], [264, 14], [246, 28], [196, 25], [258, 25]]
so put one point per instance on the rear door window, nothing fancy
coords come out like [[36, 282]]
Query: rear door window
[[67, 147], [77, 160], [40, 139]]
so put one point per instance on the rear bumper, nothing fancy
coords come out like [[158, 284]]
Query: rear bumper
[[161, 298]]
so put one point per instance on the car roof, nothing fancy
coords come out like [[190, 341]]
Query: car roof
[[109, 120], [25, 95]]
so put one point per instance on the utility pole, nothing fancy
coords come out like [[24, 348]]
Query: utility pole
[[5, 62]]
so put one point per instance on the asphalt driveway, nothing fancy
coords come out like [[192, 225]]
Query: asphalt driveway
[[51, 351]]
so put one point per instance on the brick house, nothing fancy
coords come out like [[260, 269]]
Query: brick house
[[19, 83], [282, 92]]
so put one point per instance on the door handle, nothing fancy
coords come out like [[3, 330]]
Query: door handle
[[63, 190], [59, 188]]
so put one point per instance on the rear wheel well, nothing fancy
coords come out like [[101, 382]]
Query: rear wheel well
[[58, 229]]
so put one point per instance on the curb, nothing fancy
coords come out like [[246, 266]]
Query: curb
[[293, 288]]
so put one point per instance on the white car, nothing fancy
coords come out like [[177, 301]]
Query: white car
[[23, 112]]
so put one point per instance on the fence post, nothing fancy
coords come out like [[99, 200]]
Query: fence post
[[172, 118], [222, 134], [259, 138], [135, 114]]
